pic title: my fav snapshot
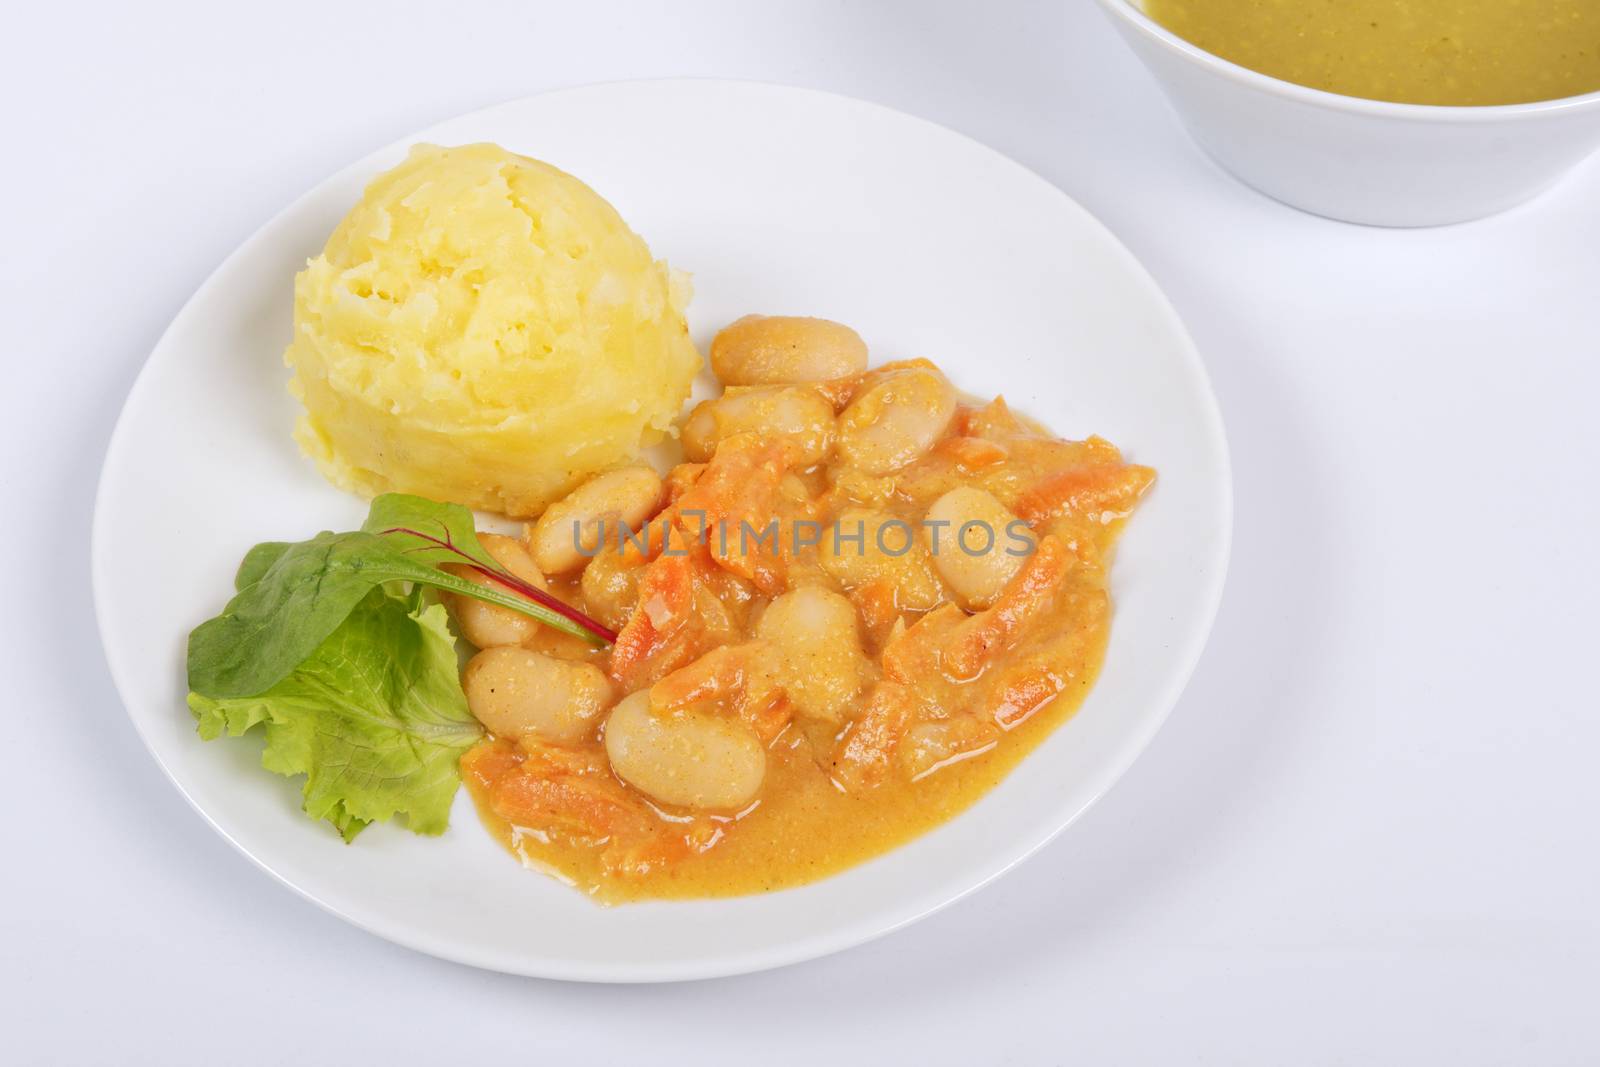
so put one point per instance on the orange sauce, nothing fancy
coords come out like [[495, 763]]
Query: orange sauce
[[816, 813]]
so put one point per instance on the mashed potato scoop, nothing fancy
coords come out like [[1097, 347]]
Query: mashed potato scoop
[[485, 329]]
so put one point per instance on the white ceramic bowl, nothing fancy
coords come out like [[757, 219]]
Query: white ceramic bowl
[[1358, 160]]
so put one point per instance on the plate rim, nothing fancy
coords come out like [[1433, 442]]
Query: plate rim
[[836, 939]]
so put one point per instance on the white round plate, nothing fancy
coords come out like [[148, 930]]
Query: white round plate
[[777, 200]]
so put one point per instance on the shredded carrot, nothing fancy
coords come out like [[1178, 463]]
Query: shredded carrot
[[1025, 597], [865, 753]]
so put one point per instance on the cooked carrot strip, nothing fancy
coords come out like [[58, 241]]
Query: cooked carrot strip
[[875, 603], [916, 652], [1025, 597], [735, 677], [717, 675], [864, 755], [733, 506], [588, 807], [768, 713], [681, 479], [1092, 489], [972, 453], [566, 792], [1019, 698], [665, 608]]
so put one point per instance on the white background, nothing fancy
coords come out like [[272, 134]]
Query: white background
[[1367, 834]]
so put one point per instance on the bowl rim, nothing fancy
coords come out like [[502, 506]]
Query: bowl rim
[[1133, 16]]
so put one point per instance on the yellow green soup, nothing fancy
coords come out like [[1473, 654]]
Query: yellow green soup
[[1456, 52]]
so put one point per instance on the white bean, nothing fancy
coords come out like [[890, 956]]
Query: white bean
[[486, 625], [895, 420], [799, 416], [515, 692], [570, 531], [781, 349], [821, 664], [685, 758], [611, 586], [864, 545], [979, 545]]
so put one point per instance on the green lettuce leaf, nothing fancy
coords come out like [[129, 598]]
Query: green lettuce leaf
[[290, 597], [258, 561], [374, 717], [426, 530]]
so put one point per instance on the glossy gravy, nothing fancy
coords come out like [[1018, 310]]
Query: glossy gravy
[[805, 827], [953, 687]]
